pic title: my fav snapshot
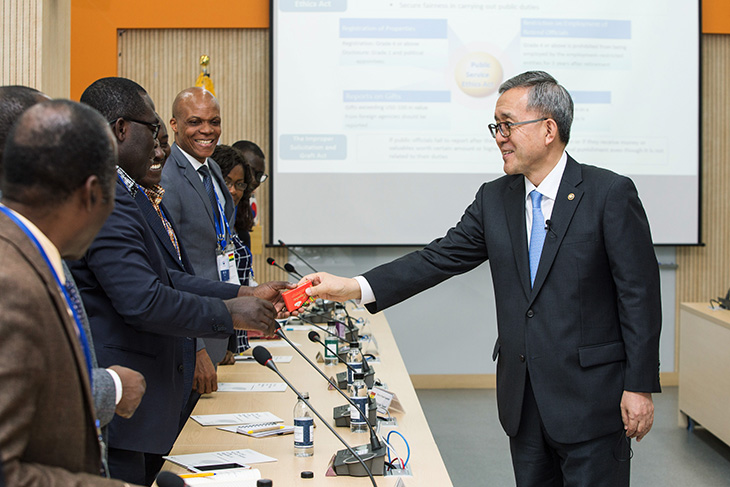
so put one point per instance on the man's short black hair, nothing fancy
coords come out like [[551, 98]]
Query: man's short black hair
[[248, 146], [116, 98], [14, 100], [52, 150]]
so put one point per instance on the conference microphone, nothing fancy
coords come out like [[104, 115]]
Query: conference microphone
[[297, 255], [272, 262], [169, 479], [316, 338], [292, 270], [323, 329], [263, 357], [374, 443]]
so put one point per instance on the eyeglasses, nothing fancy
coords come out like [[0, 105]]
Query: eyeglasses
[[239, 185], [505, 128], [154, 127], [260, 176]]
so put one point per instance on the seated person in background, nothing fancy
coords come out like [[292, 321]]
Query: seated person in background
[[256, 166], [237, 177]]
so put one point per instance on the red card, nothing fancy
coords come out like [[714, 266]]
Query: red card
[[295, 298]]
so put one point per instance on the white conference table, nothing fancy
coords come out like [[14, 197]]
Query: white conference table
[[425, 463]]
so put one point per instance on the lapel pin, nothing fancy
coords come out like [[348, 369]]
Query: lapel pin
[[571, 196]]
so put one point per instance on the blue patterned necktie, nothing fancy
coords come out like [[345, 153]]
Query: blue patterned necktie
[[208, 183], [537, 235]]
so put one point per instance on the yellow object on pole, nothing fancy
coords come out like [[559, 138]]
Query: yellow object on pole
[[204, 76]]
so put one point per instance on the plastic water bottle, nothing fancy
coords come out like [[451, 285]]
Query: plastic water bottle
[[354, 360], [303, 429], [358, 392], [333, 346]]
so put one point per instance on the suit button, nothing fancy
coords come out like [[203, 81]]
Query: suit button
[[180, 368], [522, 358], [530, 313]]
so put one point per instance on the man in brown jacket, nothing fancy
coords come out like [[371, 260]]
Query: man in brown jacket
[[58, 189]]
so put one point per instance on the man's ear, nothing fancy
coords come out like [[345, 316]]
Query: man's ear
[[119, 129], [173, 124], [551, 131], [91, 193]]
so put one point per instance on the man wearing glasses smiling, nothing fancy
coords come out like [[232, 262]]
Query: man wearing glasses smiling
[[576, 283]]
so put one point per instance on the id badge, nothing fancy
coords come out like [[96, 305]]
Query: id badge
[[226, 260]]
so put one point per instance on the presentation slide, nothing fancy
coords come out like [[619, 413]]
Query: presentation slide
[[380, 108]]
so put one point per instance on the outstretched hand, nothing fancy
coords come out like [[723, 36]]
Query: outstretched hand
[[333, 288], [251, 313], [270, 291]]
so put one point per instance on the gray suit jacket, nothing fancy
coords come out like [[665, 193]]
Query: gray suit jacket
[[190, 208], [104, 390]]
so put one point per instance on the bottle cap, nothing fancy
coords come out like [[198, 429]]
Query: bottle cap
[[354, 344], [359, 376], [264, 483], [305, 395], [307, 474]]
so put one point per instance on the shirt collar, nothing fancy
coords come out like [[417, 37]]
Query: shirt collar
[[48, 247], [129, 183], [195, 163], [155, 194], [550, 185]]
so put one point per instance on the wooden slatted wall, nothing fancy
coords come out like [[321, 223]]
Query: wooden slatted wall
[[166, 61]]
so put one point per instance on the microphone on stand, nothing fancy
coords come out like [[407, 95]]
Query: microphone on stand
[[169, 479], [314, 337], [297, 255], [374, 443], [263, 357], [368, 372], [291, 270], [272, 262]]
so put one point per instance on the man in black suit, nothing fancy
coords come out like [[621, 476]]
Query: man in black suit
[[137, 306], [576, 287]]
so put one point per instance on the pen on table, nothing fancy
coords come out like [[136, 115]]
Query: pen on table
[[194, 475], [270, 428]]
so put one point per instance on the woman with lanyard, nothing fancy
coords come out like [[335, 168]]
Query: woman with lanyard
[[235, 173]]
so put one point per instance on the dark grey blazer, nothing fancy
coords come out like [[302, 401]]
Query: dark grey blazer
[[588, 329], [190, 208]]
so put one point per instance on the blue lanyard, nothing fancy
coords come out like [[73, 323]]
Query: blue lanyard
[[79, 326], [220, 224]]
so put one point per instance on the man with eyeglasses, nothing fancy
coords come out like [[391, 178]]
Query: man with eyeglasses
[[140, 309], [576, 284]]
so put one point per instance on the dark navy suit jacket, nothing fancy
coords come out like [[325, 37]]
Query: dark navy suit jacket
[[589, 327], [138, 309]]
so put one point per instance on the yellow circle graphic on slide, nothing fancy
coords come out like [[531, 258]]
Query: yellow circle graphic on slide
[[478, 74]]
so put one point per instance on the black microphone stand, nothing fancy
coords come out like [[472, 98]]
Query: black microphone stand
[[270, 364]]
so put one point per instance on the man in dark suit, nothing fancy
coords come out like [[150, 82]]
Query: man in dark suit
[[138, 308], [577, 294], [201, 206], [58, 188]]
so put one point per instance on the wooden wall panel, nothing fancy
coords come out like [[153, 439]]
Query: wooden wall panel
[[704, 272], [35, 45], [165, 61]]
